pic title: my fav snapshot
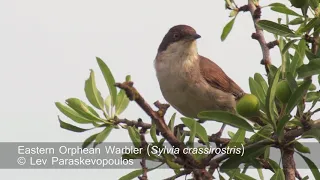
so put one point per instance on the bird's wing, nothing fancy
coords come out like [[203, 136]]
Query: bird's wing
[[217, 78]]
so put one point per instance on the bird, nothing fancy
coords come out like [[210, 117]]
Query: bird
[[190, 82]]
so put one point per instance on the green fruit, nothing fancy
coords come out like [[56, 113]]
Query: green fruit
[[283, 91], [298, 3], [248, 105]]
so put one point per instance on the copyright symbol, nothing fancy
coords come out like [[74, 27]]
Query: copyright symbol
[[21, 160]]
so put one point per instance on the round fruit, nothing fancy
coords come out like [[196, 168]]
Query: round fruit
[[248, 105], [283, 91], [298, 3]]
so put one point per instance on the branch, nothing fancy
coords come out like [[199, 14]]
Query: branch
[[157, 118], [289, 165], [255, 11]]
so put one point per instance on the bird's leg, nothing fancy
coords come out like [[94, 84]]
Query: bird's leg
[[219, 133]]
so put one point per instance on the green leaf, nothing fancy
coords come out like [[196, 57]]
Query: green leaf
[[276, 4], [296, 21], [92, 93], [102, 135], [262, 82], [298, 57], [310, 55], [237, 139], [312, 96], [312, 133], [171, 122], [227, 29], [282, 123], [257, 90], [132, 175], [230, 134], [241, 176], [314, 3], [310, 69], [153, 133], [107, 103], [71, 127], [292, 82], [235, 160], [72, 114], [137, 173], [288, 46], [311, 24], [89, 140], [200, 130], [260, 173], [193, 132], [83, 109], [227, 118], [135, 136], [314, 169], [122, 99], [284, 10], [297, 96], [275, 28], [265, 132], [122, 102], [301, 148], [109, 80], [270, 104], [279, 175]]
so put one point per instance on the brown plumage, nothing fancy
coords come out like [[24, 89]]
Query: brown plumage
[[217, 78]]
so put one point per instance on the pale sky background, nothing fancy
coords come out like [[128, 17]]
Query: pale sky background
[[48, 47]]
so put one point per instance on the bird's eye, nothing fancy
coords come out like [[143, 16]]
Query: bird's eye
[[176, 36]]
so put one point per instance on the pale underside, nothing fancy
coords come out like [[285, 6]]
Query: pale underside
[[182, 84]]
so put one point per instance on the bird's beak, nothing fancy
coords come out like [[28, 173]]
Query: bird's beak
[[196, 36]]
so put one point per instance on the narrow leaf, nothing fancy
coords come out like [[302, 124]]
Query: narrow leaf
[[262, 82], [71, 127], [227, 29], [72, 114], [89, 140], [153, 133], [297, 96], [102, 135], [109, 80], [271, 96], [310, 69], [275, 28], [288, 46], [200, 130], [227, 118], [312, 133], [301, 148], [135, 136], [171, 122], [314, 169], [284, 10], [92, 93]]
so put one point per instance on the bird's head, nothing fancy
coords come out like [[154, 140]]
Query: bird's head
[[179, 38]]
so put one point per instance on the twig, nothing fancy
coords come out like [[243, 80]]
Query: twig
[[144, 146], [132, 123]]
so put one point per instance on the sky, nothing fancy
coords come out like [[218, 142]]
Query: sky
[[48, 48]]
